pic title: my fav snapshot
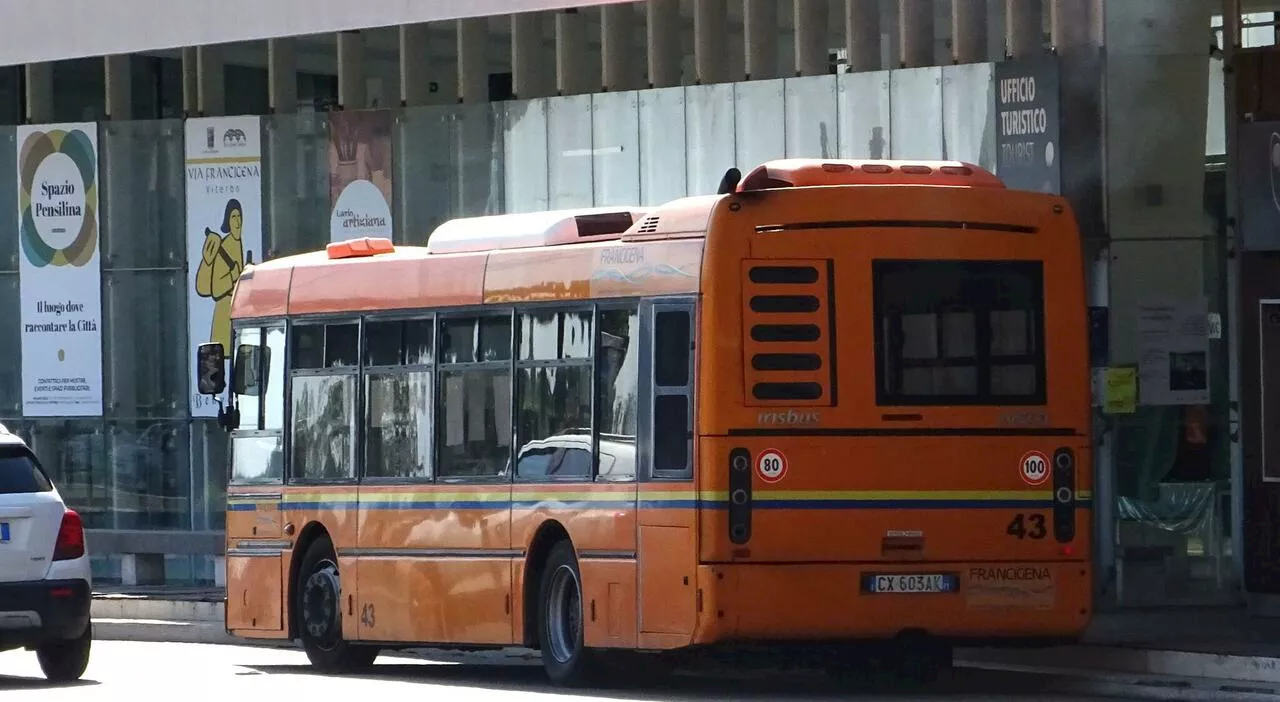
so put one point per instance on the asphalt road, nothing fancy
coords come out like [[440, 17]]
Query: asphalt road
[[160, 671]]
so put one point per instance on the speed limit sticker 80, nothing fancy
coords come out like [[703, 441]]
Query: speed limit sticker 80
[[1034, 468], [771, 465]]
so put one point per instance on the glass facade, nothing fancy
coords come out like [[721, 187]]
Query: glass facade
[[147, 464]]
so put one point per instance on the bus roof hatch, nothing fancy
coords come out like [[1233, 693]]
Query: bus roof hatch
[[802, 172]]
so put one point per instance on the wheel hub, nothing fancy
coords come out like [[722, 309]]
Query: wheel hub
[[564, 615], [320, 609]]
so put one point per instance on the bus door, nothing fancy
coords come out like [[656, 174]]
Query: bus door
[[668, 518]]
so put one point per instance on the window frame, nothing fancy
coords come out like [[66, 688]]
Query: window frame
[[588, 363], [982, 360], [357, 425], [479, 312], [263, 325], [367, 372], [652, 391], [632, 306]]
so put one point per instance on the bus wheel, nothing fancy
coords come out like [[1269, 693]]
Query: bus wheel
[[318, 608], [560, 632]]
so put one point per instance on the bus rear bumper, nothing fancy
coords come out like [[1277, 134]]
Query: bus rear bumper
[[984, 602]]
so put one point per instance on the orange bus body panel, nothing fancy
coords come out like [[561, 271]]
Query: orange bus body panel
[[445, 563]]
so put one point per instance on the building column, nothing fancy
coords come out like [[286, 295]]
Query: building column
[[1070, 23], [282, 75], [760, 38], [473, 63], [1023, 27], [39, 80], [662, 29], [915, 33], [968, 31], [571, 52], [530, 60], [210, 81], [811, 52], [617, 47], [352, 87], [710, 41], [862, 35], [118, 80]]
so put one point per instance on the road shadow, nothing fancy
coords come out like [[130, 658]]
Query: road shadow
[[12, 682], [684, 686]]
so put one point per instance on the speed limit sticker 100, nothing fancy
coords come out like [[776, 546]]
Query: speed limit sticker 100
[[1034, 468], [771, 465]]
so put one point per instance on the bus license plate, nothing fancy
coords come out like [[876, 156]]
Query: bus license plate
[[909, 583]]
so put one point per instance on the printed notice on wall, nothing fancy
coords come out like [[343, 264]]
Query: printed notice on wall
[[360, 174], [224, 229], [60, 283], [1173, 342]]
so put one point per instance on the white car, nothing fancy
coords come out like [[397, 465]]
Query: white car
[[44, 567]]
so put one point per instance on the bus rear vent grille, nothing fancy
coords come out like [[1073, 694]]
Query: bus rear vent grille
[[789, 349]]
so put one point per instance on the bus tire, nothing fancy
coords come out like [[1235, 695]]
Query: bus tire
[[318, 611], [560, 622]]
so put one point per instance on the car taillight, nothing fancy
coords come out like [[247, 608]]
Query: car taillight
[[70, 537]]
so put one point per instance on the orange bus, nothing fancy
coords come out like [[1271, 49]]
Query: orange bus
[[839, 402]]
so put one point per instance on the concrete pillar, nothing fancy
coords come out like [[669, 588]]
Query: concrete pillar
[[415, 58], [571, 52], [760, 38], [969, 31], [915, 33], [39, 93], [710, 41], [811, 52], [282, 75], [118, 79], [1070, 23], [618, 47], [531, 62], [473, 63], [190, 82], [1023, 28], [862, 34], [662, 27], [352, 87], [211, 82]]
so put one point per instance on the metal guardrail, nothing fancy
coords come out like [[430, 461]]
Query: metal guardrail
[[186, 543]]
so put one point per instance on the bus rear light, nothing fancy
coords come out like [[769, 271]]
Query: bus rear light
[[878, 168], [739, 496], [1064, 495], [837, 167], [917, 170], [957, 170]]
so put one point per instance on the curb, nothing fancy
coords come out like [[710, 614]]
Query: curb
[[1247, 671]]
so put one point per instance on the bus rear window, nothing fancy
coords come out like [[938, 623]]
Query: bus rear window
[[959, 332], [19, 474]]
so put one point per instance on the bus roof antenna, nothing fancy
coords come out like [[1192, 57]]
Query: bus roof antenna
[[729, 181]]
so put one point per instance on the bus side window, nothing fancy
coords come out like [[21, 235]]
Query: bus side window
[[673, 392], [617, 394]]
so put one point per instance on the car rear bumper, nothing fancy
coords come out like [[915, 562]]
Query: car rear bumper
[[33, 613], [800, 602]]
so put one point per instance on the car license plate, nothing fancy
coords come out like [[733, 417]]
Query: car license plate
[[909, 583], [4, 532]]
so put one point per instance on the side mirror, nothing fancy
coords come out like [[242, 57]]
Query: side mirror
[[211, 369]]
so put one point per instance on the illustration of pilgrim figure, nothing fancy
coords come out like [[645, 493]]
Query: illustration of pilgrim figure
[[222, 262]]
